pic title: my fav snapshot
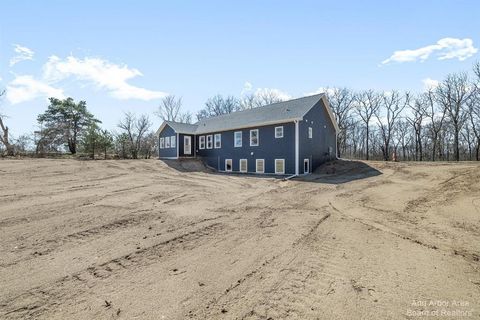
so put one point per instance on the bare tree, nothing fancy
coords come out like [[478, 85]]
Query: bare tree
[[341, 102], [135, 130], [419, 110], [436, 115], [453, 94], [367, 104], [267, 96], [4, 137], [393, 104], [169, 108], [218, 105]]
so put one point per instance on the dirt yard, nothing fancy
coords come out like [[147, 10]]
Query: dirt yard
[[143, 240]]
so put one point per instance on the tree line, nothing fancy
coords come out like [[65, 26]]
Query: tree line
[[441, 123]]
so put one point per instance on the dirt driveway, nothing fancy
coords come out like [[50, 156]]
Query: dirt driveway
[[142, 240]]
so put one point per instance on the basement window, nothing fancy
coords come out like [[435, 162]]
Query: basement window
[[280, 166], [228, 164], [243, 165], [260, 166]]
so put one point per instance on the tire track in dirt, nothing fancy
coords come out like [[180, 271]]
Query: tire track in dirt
[[33, 303]]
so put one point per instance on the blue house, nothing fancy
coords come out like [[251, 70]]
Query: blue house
[[286, 138]]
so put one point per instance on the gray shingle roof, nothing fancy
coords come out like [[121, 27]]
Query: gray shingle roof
[[273, 113], [180, 127], [280, 112]]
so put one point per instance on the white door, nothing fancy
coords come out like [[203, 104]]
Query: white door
[[187, 145]]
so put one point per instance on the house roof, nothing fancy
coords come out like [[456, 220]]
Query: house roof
[[280, 112], [179, 127]]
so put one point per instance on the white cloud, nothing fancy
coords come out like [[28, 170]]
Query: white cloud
[[25, 88], [326, 90], [23, 53], [247, 87], [446, 48], [429, 83], [101, 73]]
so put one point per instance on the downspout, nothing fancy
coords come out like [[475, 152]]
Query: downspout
[[297, 148]]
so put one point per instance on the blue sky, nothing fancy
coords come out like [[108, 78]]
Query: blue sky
[[125, 55]]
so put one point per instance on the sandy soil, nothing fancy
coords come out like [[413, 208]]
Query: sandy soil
[[143, 240]]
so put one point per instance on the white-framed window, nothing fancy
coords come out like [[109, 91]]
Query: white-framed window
[[209, 141], [238, 139], [162, 143], [228, 165], [306, 166], [260, 165], [254, 138], [279, 132], [201, 142], [173, 141], [310, 132], [218, 140], [167, 142], [243, 165], [280, 166]]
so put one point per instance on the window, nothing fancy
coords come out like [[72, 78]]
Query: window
[[243, 165], [167, 142], [218, 140], [238, 139], [202, 142], [254, 138], [187, 145], [310, 132], [260, 166], [306, 165], [162, 143], [279, 132], [280, 166], [173, 141], [228, 164], [209, 141]]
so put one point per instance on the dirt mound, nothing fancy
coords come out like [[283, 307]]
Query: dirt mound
[[340, 170], [187, 165]]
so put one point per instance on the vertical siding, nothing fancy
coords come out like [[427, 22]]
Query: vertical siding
[[269, 148], [317, 148], [170, 152]]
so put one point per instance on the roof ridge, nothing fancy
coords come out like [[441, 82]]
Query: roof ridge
[[252, 109]]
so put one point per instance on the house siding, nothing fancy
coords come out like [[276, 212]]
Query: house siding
[[323, 137], [269, 149], [170, 152]]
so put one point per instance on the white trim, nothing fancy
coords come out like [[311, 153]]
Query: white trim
[[168, 158], [211, 142], [231, 165], [235, 139], [215, 140], [189, 138], [297, 150], [174, 143], [240, 165], [276, 171], [256, 165], [279, 137], [258, 138], [200, 142], [306, 160], [178, 145]]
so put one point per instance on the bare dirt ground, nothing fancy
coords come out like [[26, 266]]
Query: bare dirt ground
[[143, 240]]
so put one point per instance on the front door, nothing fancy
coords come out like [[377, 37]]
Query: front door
[[187, 145], [306, 166]]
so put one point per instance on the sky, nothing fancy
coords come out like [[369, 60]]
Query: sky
[[123, 56]]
